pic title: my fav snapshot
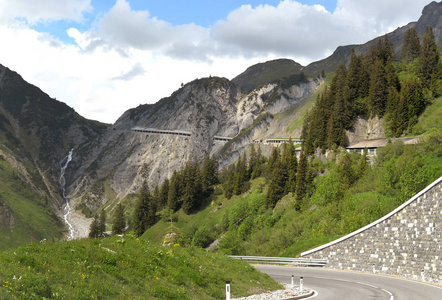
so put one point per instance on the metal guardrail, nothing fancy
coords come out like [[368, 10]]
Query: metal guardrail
[[283, 260]]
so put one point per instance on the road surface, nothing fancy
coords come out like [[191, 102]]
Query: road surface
[[339, 285]]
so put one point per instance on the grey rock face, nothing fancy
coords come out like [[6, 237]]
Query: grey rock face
[[206, 108]]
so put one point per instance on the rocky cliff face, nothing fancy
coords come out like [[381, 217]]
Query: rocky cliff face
[[205, 107], [38, 131]]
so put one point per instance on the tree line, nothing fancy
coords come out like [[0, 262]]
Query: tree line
[[370, 87]]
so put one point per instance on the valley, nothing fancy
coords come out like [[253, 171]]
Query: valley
[[275, 161]]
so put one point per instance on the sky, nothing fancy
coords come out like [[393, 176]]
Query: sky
[[102, 57]]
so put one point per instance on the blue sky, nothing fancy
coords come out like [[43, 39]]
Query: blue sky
[[104, 57], [177, 12]]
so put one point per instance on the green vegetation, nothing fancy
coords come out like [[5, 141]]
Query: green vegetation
[[372, 87], [25, 215], [338, 195], [123, 268]]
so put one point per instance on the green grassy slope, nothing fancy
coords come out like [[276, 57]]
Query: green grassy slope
[[24, 214], [123, 268], [245, 226]]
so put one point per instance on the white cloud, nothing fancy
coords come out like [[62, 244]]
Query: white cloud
[[43, 10], [130, 58]]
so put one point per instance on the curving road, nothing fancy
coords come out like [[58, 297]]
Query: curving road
[[339, 285]]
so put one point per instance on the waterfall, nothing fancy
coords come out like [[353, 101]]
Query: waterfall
[[67, 207]]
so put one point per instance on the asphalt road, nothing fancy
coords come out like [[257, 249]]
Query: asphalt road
[[339, 285]]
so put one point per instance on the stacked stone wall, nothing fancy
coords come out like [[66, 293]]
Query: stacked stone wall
[[406, 243]]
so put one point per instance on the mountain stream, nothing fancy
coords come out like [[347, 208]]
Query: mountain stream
[[67, 207]]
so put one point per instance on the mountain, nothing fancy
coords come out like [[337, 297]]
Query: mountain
[[114, 166], [431, 16], [266, 72], [109, 163], [36, 134]]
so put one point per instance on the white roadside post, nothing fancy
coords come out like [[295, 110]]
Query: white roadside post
[[374, 269], [293, 281], [228, 290], [301, 285], [423, 275]]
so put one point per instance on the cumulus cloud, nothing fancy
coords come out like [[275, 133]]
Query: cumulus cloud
[[104, 73], [310, 32], [43, 10], [123, 28], [290, 29]]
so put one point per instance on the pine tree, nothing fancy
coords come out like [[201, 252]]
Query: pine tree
[[102, 223], [252, 160], [362, 165], [119, 222], [400, 118], [392, 113], [301, 179], [290, 162], [145, 211], [206, 174], [429, 59], [378, 90], [411, 47], [277, 183], [229, 178], [257, 164], [93, 228], [174, 193], [414, 98], [346, 174], [240, 176], [164, 192], [192, 191], [214, 166]]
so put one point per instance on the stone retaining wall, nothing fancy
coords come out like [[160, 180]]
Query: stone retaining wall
[[407, 242]]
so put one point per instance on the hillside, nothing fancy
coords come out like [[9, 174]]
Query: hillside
[[36, 133], [109, 163], [342, 193], [123, 268]]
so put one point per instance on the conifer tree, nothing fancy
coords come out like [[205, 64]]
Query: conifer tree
[[400, 117], [229, 178], [257, 165], [93, 228], [274, 157], [252, 160], [362, 165], [145, 211], [354, 77], [192, 191], [301, 179], [346, 174], [206, 174], [119, 222], [393, 115], [214, 166], [277, 184], [102, 223], [411, 47], [290, 163], [164, 191], [429, 59], [174, 193], [378, 90], [413, 98], [240, 176]]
